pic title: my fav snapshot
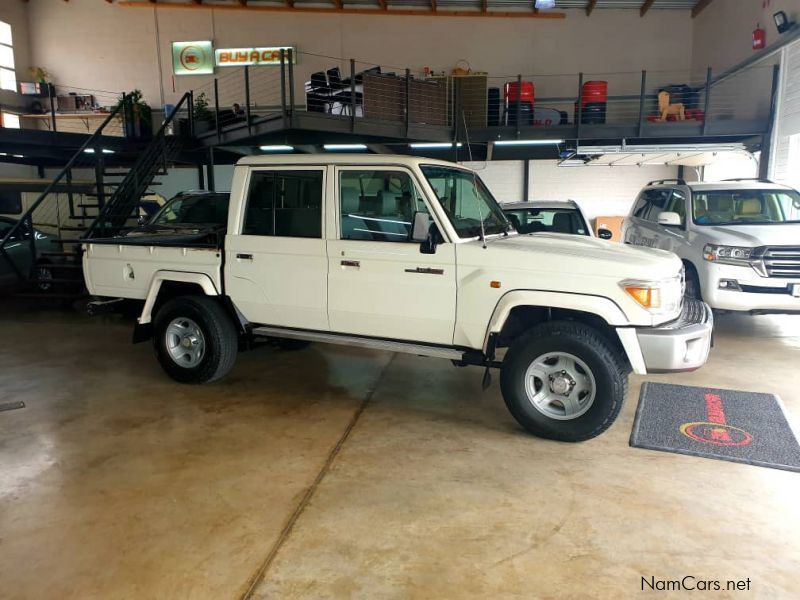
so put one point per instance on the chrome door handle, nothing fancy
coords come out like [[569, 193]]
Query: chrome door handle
[[244, 256], [350, 263], [426, 271]]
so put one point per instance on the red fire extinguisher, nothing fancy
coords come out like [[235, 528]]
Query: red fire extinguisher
[[759, 37]]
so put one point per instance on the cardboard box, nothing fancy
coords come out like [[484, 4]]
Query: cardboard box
[[613, 224]]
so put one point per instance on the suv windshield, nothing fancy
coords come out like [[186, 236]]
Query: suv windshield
[[196, 209], [466, 201], [556, 220], [745, 207]]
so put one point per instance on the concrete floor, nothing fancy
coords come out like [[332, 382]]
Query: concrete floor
[[336, 473]]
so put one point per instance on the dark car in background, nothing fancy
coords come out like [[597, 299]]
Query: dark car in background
[[192, 214], [27, 263]]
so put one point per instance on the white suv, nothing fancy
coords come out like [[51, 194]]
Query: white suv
[[739, 240]]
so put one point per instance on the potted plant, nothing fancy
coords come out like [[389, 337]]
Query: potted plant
[[203, 117], [138, 116]]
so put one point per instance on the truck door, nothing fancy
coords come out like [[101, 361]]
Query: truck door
[[276, 264], [379, 283], [675, 238], [643, 229]]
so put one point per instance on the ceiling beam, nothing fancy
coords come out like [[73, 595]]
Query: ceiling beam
[[346, 10], [699, 7], [590, 7], [645, 7]]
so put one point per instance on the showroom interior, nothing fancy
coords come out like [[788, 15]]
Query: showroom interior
[[235, 233]]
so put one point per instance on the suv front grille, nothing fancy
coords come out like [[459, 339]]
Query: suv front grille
[[781, 261]]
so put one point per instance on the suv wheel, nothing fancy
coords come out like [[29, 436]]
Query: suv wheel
[[692, 283], [195, 339], [564, 381]]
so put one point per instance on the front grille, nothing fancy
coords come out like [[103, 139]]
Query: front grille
[[694, 312], [781, 261]]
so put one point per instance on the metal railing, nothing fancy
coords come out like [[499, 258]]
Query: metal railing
[[362, 92]]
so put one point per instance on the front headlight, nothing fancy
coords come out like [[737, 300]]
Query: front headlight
[[728, 255], [662, 297]]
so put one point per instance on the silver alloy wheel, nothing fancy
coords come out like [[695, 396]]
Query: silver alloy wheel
[[185, 342], [44, 278], [560, 386]]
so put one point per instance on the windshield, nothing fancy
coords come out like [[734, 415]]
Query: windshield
[[202, 209], [746, 207], [466, 200], [556, 220]]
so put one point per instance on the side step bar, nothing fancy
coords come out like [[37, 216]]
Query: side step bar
[[362, 342]]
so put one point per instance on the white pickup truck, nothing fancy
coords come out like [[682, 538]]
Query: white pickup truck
[[408, 255]]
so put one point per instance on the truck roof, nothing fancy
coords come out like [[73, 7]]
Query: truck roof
[[739, 184], [539, 204], [343, 158]]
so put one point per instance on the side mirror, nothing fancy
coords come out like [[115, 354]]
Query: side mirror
[[420, 227], [425, 232], [604, 234], [670, 219]]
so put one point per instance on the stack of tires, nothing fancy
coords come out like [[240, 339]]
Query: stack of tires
[[519, 97], [593, 103]]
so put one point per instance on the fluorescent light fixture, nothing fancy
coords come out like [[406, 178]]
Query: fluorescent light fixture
[[433, 145], [528, 142], [18, 155], [335, 147], [104, 151], [107, 151], [89, 150], [544, 4], [276, 148]]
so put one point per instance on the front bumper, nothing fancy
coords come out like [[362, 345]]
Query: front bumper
[[751, 292], [681, 345]]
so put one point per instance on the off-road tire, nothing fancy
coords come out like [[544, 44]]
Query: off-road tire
[[219, 333], [692, 283], [608, 367]]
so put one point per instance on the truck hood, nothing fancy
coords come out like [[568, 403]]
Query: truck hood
[[578, 254], [752, 235]]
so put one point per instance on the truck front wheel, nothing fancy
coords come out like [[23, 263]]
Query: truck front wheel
[[564, 381], [195, 339]]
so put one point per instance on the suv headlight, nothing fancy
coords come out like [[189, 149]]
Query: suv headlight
[[662, 297], [728, 255]]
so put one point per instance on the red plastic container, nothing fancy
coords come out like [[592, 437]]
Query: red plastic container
[[516, 92], [594, 92]]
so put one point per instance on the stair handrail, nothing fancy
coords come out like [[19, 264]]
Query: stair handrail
[[70, 163], [157, 138]]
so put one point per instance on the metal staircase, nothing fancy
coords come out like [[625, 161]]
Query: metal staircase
[[43, 247]]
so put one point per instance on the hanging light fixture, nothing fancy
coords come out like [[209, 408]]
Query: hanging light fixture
[[544, 4]]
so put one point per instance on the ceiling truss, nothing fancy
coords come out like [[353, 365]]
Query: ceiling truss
[[386, 7]]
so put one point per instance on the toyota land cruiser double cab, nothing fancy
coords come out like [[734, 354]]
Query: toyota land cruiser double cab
[[409, 255], [739, 240]]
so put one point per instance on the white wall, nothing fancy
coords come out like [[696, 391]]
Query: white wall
[[787, 122], [600, 191], [94, 44], [722, 34]]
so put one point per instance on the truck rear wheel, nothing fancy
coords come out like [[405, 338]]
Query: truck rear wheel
[[195, 340], [564, 381]]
